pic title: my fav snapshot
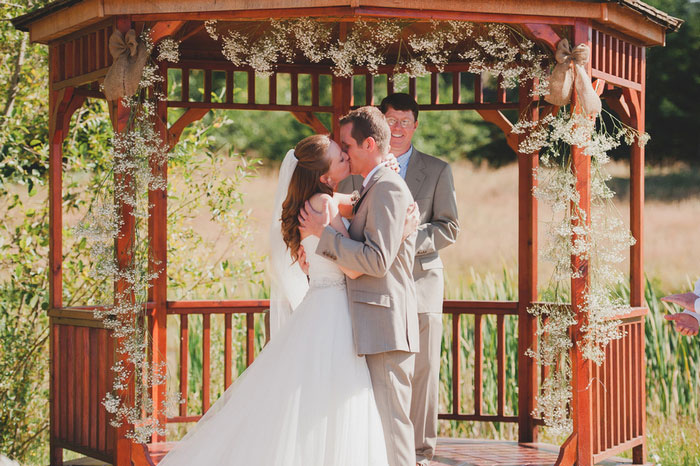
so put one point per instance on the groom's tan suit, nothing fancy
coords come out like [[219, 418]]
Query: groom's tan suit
[[431, 183], [383, 301]]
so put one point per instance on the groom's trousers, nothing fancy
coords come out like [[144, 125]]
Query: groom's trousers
[[391, 375]]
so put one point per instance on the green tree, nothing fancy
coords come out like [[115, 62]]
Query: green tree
[[673, 89]]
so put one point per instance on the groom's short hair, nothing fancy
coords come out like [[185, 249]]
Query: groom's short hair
[[369, 122]]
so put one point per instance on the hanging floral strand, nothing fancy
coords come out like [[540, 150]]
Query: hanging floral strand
[[133, 151], [602, 244]]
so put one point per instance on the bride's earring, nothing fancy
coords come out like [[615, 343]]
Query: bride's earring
[[328, 181]]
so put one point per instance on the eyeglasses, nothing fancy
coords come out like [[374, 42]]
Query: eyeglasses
[[405, 123]]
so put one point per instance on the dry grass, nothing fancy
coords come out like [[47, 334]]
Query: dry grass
[[488, 213]]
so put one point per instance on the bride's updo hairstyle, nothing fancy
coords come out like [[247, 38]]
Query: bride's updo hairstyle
[[313, 162]]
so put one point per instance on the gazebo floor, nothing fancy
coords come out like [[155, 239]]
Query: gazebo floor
[[450, 452]]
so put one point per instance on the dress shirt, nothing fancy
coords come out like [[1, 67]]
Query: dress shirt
[[369, 175], [403, 161]]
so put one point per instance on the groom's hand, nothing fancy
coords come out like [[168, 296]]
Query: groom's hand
[[313, 222], [685, 323]]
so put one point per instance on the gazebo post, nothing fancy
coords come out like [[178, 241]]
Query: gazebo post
[[124, 244], [580, 367], [56, 136], [527, 275], [342, 94], [157, 261], [636, 104]]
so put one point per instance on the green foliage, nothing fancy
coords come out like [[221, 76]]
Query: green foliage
[[673, 89], [23, 335]]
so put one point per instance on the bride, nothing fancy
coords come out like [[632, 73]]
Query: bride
[[307, 399]]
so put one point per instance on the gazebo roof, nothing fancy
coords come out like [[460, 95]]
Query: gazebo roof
[[635, 18]]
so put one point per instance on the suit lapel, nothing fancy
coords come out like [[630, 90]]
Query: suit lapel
[[375, 176], [415, 172]]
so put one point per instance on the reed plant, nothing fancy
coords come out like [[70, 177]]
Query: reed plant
[[672, 364]]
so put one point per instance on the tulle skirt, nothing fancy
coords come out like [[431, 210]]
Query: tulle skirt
[[307, 400]]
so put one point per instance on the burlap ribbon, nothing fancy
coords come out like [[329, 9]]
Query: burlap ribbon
[[560, 83], [130, 57]]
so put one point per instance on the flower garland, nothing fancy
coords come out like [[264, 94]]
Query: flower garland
[[133, 152], [603, 244], [495, 48]]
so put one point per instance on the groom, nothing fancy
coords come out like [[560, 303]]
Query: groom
[[383, 300]]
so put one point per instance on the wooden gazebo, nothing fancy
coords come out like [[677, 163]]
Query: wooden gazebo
[[609, 417]]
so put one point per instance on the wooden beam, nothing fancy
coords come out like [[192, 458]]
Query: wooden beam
[[567, 452], [157, 264], [342, 93], [67, 20], [123, 246]]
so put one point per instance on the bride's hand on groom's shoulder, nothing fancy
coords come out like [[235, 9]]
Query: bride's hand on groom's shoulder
[[391, 162], [412, 220], [303, 262]]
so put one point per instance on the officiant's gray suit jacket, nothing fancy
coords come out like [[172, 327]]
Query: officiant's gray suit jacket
[[383, 300], [431, 183]]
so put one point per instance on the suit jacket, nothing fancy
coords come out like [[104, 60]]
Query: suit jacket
[[383, 300], [430, 181]]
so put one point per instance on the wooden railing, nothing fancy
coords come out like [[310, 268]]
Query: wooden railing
[[206, 309], [85, 56], [618, 388], [82, 353], [479, 309], [616, 60]]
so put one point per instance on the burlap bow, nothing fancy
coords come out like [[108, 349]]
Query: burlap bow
[[130, 57], [560, 83]]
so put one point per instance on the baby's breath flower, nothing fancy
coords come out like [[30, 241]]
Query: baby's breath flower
[[234, 48], [169, 50], [210, 26]]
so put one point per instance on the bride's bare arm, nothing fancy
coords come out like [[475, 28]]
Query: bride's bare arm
[[321, 202], [344, 204]]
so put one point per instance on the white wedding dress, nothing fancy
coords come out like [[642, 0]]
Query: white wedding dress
[[307, 399]]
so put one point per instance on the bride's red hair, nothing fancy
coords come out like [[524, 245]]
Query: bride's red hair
[[313, 162]]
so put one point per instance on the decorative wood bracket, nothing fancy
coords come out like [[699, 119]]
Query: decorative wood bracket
[[567, 452], [544, 33], [311, 120], [67, 102], [165, 29], [140, 456], [498, 119], [191, 115]]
